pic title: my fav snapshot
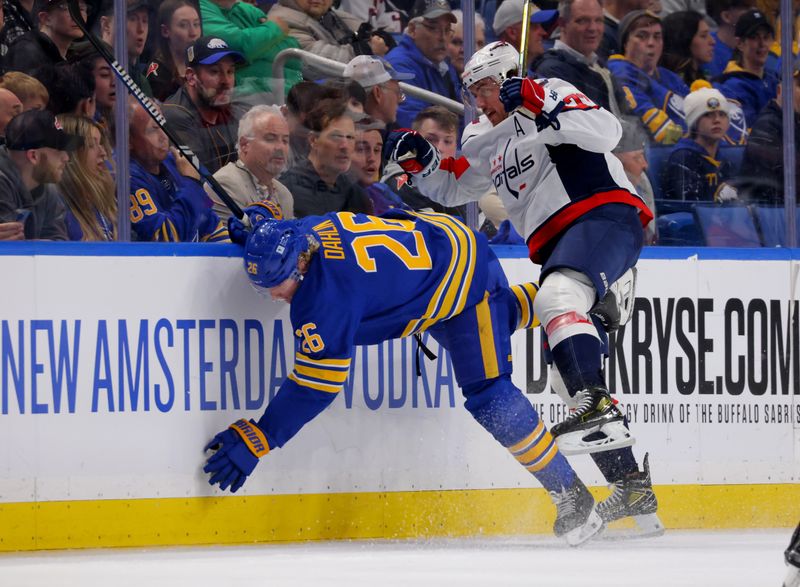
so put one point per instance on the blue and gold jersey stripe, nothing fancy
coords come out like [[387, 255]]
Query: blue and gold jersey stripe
[[525, 294], [450, 295], [321, 374], [220, 234]]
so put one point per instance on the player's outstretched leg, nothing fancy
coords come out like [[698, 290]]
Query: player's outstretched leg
[[504, 411], [792, 556]]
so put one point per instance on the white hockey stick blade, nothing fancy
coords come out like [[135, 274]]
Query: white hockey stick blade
[[647, 526], [591, 529], [614, 436]]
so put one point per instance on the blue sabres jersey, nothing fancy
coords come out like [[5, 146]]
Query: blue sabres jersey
[[379, 278]]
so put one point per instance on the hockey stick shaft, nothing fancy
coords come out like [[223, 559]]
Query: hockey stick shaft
[[524, 38], [153, 111]]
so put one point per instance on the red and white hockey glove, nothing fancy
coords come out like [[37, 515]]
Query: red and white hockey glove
[[522, 91], [412, 152]]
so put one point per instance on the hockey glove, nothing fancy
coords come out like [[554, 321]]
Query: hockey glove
[[525, 92], [238, 231], [238, 449], [412, 152]]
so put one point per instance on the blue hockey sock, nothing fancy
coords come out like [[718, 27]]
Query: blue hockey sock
[[504, 411], [616, 464], [578, 359]]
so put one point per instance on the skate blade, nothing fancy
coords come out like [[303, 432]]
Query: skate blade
[[591, 529], [792, 577], [646, 526], [575, 443]]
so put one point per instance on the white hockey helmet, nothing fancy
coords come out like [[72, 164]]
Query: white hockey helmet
[[497, 60]]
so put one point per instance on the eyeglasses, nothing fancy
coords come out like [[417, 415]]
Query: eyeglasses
[[401, 95], [65, 8], [444, 31]]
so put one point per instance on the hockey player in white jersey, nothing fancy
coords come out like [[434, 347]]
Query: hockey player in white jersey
[[546, 148]]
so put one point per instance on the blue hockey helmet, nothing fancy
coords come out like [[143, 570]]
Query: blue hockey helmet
[[270, 256]]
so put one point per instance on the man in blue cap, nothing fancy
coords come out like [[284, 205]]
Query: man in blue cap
[[201, 114], [507, 25]]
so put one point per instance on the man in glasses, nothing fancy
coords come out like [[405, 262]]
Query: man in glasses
[[49, 44], [381, 82], [423, 52]]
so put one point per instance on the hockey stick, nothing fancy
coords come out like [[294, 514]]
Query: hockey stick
[[524, 38], [154, 113]]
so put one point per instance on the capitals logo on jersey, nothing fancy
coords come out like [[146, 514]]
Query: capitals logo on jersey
[[509, 167]]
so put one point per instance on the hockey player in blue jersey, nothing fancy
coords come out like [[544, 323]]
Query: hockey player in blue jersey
[[393, 276], [546, 148]]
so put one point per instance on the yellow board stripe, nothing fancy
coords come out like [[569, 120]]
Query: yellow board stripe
[[353, 516], [325, 374], [314, 384], [486, 336]]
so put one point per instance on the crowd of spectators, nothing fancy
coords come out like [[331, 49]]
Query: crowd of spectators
[[695, 84]]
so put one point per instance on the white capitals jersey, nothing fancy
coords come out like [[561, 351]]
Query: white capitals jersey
[[545, 179]]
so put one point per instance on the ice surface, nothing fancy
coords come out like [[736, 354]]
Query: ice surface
[[679, 558]]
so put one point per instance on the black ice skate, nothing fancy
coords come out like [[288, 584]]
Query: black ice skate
[[633, 496], [576, 518], [792, 556], [595, 425]]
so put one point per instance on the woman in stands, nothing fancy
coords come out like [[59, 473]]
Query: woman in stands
[[87, 185], [179, 27], [688, 45]]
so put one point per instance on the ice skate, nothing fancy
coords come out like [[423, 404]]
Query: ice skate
[[595, 425], [633, 497], [792, 556], [576, 519]]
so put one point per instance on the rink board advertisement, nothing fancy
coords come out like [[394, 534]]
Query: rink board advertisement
[[117, 368]]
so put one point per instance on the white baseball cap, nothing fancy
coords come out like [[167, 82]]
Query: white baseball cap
[[370, 71]]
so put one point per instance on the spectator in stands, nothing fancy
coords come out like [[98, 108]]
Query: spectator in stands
[[105, 88], [375, 13], [18, 19], [10, 106], [178, 27], [761, 178], [299, 102], [320, 183], [137, 26], [630, 151], [726, 14], [258, 38], [651, 92], [366, 168], [201, 113], [71, 89], [382, 85], [507, 26], [746, 80], [614, 12], [672, 6], [87, 185], [455, 48], [688, 45], [29, 90], [694, 171], [48, 45], [439, 127], [263, 155], [573, 58], [36, 153], [167, 199], [423, 52]]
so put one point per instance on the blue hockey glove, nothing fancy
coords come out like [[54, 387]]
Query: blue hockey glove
[[238, 449], [412, 152], [238, 231]]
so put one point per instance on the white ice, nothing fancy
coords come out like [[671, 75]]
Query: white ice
[[679, 558]]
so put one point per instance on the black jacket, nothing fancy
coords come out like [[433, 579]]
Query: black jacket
[[761, 177], [312, 196], [562, 65], [32, 51]]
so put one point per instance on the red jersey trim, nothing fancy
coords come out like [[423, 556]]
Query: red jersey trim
[[566, 216], [455, 166]]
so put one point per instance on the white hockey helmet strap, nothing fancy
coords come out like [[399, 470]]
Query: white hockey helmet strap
[[498, 60]]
